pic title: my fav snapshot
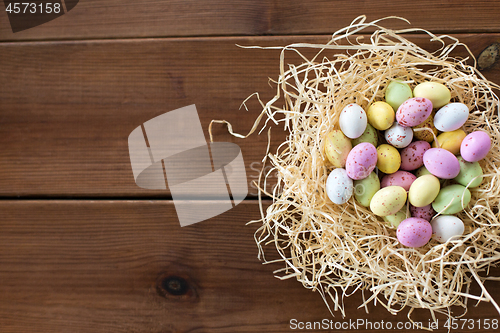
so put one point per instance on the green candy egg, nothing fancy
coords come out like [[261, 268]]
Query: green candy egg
[[422, 171], [365, 189], [469, 171], [396, 93], [369, 135], [451, 195], [394, 220]]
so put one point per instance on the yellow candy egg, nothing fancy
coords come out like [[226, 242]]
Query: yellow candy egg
[[388, 159], [424, 190], [337, 147], [388, 200], [425, 135], [380, 115], [436, 92], [450, 141]]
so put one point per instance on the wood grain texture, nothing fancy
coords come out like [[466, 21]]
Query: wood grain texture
[[93, 266], [155, 18], [67, 108]]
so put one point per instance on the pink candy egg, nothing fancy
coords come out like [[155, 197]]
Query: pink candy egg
[[414, 232], [398, 178], [412, 157], [361, 161], [441, 163], [413, 111], [426, 212], [475, 146]]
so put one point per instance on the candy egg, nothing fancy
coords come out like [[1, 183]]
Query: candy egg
[[451, 197], [395, 219], [426, 212], [352, 120], [475, 146], [365, 189], [441, 163], [445, 227], [388, 200], [369, 135], [396, 93], [388, 158], [422, 171], [398, 178], [414, 232], [468, 172], [425, 130], [412, 157], [450, 141], [451, 117], [424, 190], [414, 111], [380, 115], [337, 147], [437, 93], [361, 160], [399, 136], [339, 186]]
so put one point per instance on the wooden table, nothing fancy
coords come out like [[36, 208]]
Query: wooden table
[[82, 247]]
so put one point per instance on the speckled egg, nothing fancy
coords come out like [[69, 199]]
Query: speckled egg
[[422, 171], [398, 178], [414, 232], [352, 120], [380, 115], [445, 227], [441, 163], [412, 157], [436, 92], [475, 146], [451, 117], [365, 189], [361, 160], [339, 186], [388, 159], [394, 220], [426, 212], [450, 141], [471, 173], [399, 136], [425, 130], [451, 198], [388, 200], [413, 111], [396, 93], [369, 135], [424, 190], [337, 147]]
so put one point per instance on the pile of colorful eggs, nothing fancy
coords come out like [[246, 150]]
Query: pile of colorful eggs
[[435, 180]]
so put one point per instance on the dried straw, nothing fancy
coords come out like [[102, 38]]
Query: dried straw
[[339, 249]]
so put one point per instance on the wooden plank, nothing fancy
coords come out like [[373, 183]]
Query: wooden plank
[[94, 266], [128, 18], [67, 108]]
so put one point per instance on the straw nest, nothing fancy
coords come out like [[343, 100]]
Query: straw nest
[[339, 249]]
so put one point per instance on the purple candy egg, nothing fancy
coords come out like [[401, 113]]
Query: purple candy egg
[[426, 212], [398, 178], [475, 146], [412, 157], [413, 111], [441, 163], [414, 232], [361, 161]]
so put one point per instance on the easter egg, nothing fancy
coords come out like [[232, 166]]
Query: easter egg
[[470, 172], [413, 111], [339, 186], [396, 93], [441, 163], [414, 232], [475, 146], [425, 130], [445, 227], [369, 135], [451, 197], [424, 190], [412, 157], [380, 115], [352, 121], [365, 189], [398, 178], [436, 92], [388, 200], [450, 141], [422, 171], [361, 160], [394, 220], [337, 147], [451, 117], [398, 136], [388, 158], [425, 212]]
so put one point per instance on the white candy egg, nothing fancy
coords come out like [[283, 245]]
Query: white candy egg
[[353, 121], [339, 186], [446, 226], [451, 117], [399, 136]]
